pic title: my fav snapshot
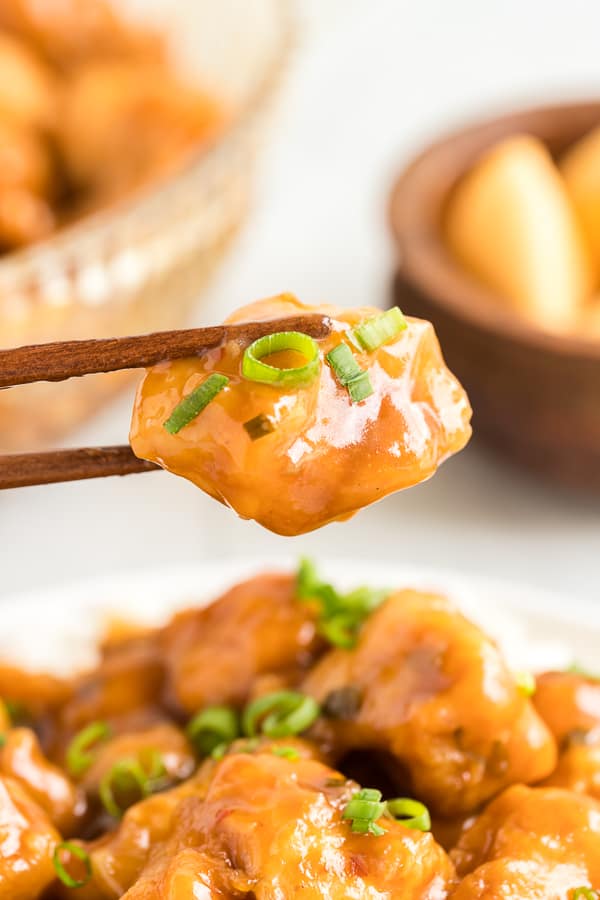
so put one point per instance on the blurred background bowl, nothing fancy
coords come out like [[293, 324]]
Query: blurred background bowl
[[536, 396], [141, 266]]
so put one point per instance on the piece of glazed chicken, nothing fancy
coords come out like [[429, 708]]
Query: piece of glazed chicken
[[380, 417], [269, 827], [432, 693], [531, 844]]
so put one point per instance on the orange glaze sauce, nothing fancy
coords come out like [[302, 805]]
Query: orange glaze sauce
[[326, 457]]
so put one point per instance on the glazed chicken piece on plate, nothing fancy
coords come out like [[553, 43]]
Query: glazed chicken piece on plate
[[22, 759], [569, 703], [300, 432], [433, 692], [270, 827], [118, 857], [260, 629], [124, 689], [531, 844], [27, 842]]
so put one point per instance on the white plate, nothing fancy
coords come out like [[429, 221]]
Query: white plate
[[56, 630]]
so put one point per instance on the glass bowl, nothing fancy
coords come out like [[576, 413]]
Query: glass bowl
[[142, 266]]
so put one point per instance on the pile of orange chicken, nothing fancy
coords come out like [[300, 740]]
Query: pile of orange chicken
[[291, 740]]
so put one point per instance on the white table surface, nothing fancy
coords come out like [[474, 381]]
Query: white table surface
[[373, 79]]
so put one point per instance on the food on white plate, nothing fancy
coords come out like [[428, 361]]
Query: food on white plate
[[218, 756]]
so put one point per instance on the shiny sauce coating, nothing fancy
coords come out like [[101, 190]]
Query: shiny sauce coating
[[325, 457]]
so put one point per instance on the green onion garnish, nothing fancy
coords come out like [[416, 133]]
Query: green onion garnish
[[349, 373], [341, 629], [286, 752], [587, 893], [410, 813], [254, 369], [360, 387], [212, 728], [364, 809], [309, 586], [371, 333], [341, 616], [525, 683], [280, 714], [192, 405], [344, 364], [2, 740], [129, 779], [80, 854], [259, 427], [219, 751], [79, 757]]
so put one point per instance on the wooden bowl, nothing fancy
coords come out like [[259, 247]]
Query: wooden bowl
[[536, 396]]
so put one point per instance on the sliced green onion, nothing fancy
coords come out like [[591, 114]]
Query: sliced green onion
[[219, 751], [128, 776], [280, 714], [349, 373], [286, 752], [155, 769], [254, 369], [309, 586], [341, 629], [341, 616], [79, 755], [371, 333], [259, 426], [212, 727], [2, 740], [587, 893], [192, 405], [525, 683], [410, 813], [360, 387], [80, 854], [344, 364], [364, 808]]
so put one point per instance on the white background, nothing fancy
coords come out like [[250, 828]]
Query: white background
[[372, 80]]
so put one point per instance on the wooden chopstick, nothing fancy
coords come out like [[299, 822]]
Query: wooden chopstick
[[27, 469], [70, 359]]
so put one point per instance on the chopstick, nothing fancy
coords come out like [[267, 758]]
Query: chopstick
[[28, 469], [71, 359]]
